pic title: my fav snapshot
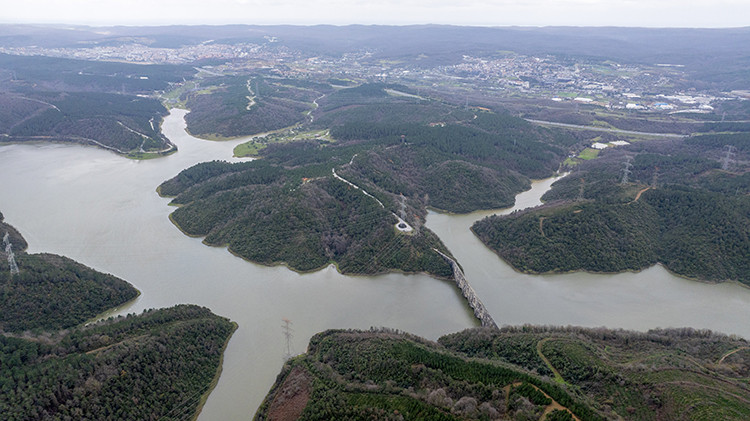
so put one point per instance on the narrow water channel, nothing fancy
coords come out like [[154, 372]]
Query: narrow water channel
[[648, 299]]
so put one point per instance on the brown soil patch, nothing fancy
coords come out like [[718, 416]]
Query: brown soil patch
[[291, 398], [640, 192]]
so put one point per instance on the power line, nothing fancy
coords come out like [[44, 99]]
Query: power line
[[728, 158], [626, 170], [11, 257], [287, 329]]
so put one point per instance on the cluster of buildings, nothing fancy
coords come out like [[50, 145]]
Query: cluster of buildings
[[142, 53], [606, 84]]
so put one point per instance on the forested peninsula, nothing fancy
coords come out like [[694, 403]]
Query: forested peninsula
[[158, 365], [519, 373], [314, 200], [52, 292], [95, 103], [683, 204]]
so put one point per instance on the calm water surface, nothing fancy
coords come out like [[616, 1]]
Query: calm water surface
[[645, 300], [102, 210]]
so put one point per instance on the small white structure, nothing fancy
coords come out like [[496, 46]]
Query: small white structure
[[599, 145]]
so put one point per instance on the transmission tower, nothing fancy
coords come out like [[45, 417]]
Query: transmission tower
[[626, 169], [728, 157], [9, 252], [287, 329]]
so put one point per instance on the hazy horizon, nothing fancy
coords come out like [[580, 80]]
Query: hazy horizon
[[501, 13]]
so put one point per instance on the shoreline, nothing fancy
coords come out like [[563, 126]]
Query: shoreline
[[217, 375], [593, 272], [302, 272]]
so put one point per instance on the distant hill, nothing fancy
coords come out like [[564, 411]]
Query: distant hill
[[718, 57], [94, 103], [515, 373]]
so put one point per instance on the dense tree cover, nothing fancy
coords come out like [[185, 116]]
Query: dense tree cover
[[52, 292], [490, 140], [263, 216], [154, 366], [362, 94], [661, 374], [14, 109], [39, 73], [679, 209], [288, 208], [242, 106], [381, 374], [122, 122], [435, 179], [98, 103], [740, 141]]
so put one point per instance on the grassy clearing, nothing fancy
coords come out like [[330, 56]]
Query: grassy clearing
[[172, 98], [253, 147], [246, 149], [570, 162], [588, 154]]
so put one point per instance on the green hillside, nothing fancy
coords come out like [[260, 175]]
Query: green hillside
[[515, 373], [158, 365], [52, 292], [679, 208], [288, 207]]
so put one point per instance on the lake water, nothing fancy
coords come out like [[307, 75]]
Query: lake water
[[102, 210], [648, 299]]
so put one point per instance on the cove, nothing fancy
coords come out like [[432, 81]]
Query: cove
[[103, 211]]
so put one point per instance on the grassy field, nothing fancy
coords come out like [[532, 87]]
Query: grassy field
[[253, 147], [589, 153]]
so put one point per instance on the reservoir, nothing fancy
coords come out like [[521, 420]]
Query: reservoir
[[645, 300], [102, 210]]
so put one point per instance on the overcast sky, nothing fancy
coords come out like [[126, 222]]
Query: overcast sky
[[650, 13]]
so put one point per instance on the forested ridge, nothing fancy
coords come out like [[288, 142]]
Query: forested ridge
[[288, 207], [156, 365], [244, 105], [159, 365], [52, 292], [683, 207], [96, 103], [515, 373]]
